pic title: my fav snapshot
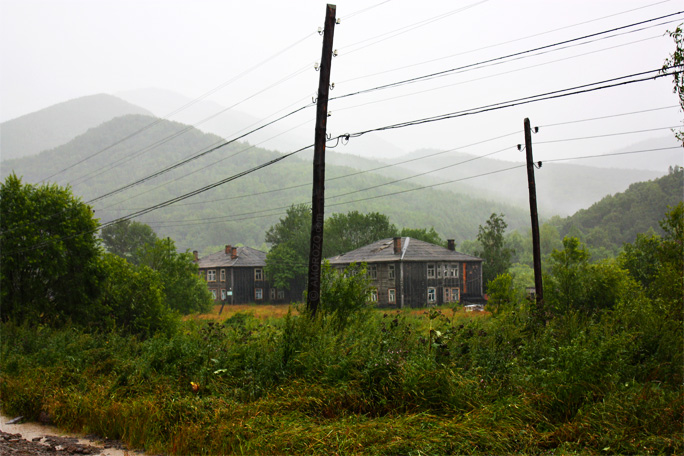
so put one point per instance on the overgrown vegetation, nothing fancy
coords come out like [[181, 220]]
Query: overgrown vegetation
[[597, 374]]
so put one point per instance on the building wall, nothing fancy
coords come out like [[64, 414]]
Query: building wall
[[245, 284], [413, 279]]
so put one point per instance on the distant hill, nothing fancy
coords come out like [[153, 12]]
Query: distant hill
[[562, 188], [242, 210], [618, 218], [58, 124], [211, 117]]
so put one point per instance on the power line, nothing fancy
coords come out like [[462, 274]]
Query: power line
[[497, 74], [451, 70], [503, 43], [605, 135], [192, 158]]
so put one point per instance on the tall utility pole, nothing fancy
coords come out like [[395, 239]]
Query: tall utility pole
[[536, 249], [318, 198]]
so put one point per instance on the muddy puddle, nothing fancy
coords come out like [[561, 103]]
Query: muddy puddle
[[37, 433]]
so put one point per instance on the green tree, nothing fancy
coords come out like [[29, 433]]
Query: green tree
[[493, 248], [345, 232], [184, 290], [50, 265], [422, 234], [676, 62], [290, 242], [569, 276], [133, 298], [125, 238], [282, 268], [344, 294]]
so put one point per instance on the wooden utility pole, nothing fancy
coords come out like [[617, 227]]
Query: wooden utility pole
[[313, 296], [536, 249]]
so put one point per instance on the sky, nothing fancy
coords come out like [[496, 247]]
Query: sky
[[259, 57]]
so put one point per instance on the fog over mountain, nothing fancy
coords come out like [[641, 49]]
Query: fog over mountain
[[60, 123]]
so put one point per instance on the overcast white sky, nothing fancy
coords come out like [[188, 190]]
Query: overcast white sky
[[55, 50]]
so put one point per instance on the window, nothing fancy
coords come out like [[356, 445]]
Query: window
[[223, 294], [431, 295], [213, 294], [392, 295], [223, 275], [431, 271], [374, 295], [211, 275], [281, 294], [446, 271], [451, 295], [273, 293], [258, 294], [258, 274], [372, 271], [390, 271], [454, 270]]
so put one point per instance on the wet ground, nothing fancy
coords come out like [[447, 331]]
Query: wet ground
[[37, 439]]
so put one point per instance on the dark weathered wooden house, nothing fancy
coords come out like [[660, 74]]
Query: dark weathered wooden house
[[237, 275], [407, 272]]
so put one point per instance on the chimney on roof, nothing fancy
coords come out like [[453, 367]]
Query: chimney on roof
[[233, 253], [397, 245], [195, 254], [228, 250], [451, 244]]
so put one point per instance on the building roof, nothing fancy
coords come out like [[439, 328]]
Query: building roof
[[246, 257], [411, 250]]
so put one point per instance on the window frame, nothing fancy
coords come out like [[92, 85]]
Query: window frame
[[211, 275], [258, 294], [222, 275], [372, 271], [392, 295], [430, 270], [390, 271], [374, 295], [258, 274], [213, 294], [223, 294], [431, 293]]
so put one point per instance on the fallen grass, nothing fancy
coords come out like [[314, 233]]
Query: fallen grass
[[392, 382]]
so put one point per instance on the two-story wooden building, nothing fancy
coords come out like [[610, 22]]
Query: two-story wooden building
[[407, 272], [237, 275]]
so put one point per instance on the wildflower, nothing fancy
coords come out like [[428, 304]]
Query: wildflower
[[195, 387]]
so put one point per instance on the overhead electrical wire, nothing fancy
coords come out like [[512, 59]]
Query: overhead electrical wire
[[504, 73], [508, 56], [502, 105], [502, 43]]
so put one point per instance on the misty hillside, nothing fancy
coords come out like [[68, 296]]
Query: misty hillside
[[242, 210], [658, 160], [618, 218], [562, 188], [211, 117], [58, 124]]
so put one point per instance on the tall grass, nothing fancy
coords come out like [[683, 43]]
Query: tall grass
[[433, 382]]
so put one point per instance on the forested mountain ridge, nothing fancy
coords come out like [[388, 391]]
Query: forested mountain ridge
[[240, 211], [58, 124], [618, 218]]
